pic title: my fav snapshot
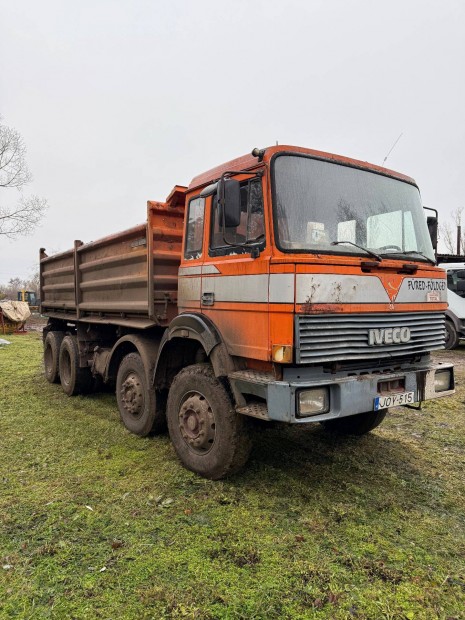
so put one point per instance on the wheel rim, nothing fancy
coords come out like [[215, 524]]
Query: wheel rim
[[197, 423], [132, 395]]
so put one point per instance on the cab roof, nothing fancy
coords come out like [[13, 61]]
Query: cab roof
[[246, 162]]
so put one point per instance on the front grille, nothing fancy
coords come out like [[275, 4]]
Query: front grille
[[335, 337]]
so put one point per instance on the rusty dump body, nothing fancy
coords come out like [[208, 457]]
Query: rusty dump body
[[288, 284], [128, 279]]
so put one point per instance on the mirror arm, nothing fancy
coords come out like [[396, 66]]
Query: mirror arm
[[230, 173], [435, 211]]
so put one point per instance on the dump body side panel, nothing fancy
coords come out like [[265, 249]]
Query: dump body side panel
[[111, 276], [57, 284], [128, 279]]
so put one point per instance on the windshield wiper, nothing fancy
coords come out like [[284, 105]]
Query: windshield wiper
[[430, 260], [360, 247]]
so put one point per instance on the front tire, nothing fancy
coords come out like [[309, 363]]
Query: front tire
[[52, 344], [137, 402], [209, 436], [74, 379], [452, 337], [358, 424]]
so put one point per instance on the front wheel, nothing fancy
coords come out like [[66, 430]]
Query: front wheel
[[209, 436], [358, 424], [452, 337]]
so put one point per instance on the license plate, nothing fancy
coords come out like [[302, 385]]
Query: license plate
[[394, 400]]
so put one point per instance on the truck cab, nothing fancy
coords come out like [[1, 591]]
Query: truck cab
[[322, 283]]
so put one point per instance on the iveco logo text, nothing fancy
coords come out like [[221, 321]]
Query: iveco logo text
[[391, 335]]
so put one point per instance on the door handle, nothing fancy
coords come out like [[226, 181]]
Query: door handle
[[208, 299]]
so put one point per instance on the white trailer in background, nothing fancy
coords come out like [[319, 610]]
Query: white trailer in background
[[455, 314]]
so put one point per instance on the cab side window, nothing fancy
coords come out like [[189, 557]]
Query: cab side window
[[194, 230], [251, 227]]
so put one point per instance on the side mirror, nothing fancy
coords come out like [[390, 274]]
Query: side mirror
[[229, 203], [432, 223]]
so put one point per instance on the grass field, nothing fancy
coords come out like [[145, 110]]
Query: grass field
[[97, 523]]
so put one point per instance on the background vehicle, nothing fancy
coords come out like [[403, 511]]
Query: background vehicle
[[288, 285], [455, 313], [29, 297]]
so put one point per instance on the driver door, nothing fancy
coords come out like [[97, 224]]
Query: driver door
[[234, 283]]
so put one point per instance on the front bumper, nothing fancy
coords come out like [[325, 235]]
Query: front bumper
[[349, 392]]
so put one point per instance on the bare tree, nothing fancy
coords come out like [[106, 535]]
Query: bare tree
[[24, 215], [447, 236], [448, 232], [32, 283], [11, 289]]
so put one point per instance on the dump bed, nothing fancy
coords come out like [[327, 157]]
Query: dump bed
[[128, 279]]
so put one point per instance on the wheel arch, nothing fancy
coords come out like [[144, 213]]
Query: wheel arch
[[454, 319], [55, 325], [147, 348], [189, 339]]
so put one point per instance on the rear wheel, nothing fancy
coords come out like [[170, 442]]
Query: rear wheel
[[74, 380], [52, 345], [359, 424], [137, 402], [452, 337], [209, 436]]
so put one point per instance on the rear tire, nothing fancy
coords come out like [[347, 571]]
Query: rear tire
[[358, 424], [74, 380], [137, 402], [452, 337], [52, 344], [209, 436]]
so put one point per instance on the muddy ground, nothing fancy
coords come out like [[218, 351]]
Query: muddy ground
[[36, 322]]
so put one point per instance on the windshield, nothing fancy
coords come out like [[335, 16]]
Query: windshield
[[456, 281], [317, 203]]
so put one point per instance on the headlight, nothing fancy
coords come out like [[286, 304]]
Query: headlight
[[313, 402], [442, 380]]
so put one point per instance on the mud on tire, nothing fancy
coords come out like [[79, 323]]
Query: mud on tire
[[52, 345], [74, 380], [209, 436]]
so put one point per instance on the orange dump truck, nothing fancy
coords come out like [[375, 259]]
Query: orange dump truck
[[288, 285]]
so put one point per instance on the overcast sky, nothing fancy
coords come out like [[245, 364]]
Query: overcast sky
[[118, 101]]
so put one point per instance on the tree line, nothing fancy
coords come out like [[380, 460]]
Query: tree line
[[10, 290]]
